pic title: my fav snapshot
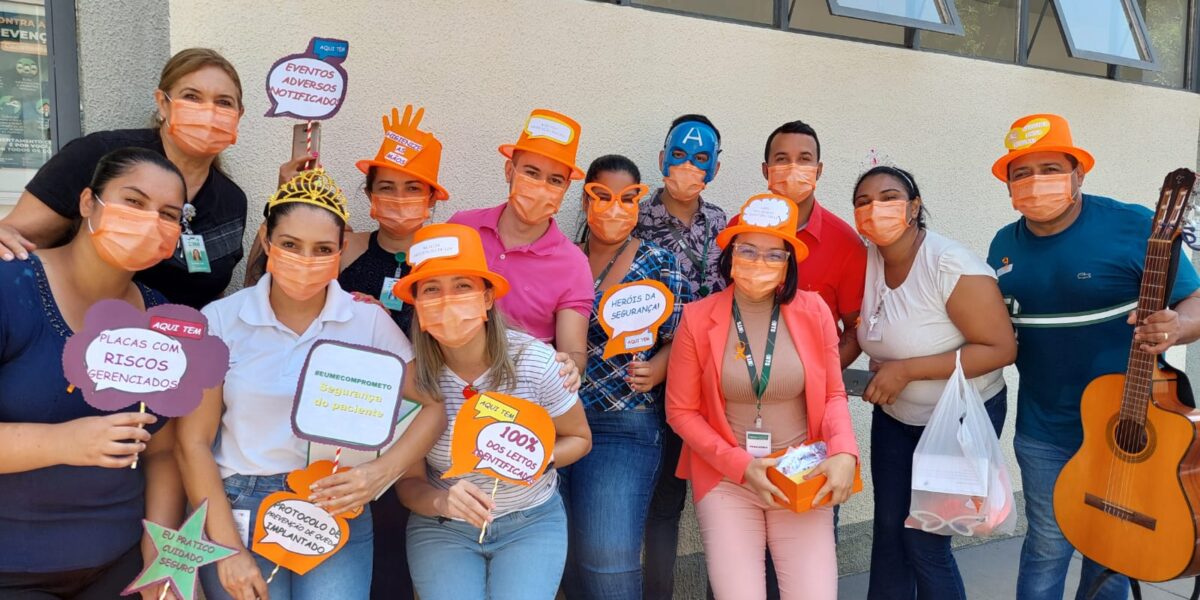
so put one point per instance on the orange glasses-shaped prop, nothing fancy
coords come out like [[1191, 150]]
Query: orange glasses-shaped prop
[[612, 215]]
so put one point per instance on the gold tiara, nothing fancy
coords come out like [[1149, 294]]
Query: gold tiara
[[314, 187]]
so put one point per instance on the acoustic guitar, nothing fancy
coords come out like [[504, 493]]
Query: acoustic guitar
[[1128, 499]]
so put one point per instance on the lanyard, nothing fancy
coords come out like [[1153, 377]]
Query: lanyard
[[701, 261], [400, 258], [609, 266], [743, 350]]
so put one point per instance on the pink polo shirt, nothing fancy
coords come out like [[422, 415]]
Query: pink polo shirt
[[547, 276]]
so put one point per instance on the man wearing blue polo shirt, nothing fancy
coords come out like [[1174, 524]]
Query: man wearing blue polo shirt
[[1070, 270]]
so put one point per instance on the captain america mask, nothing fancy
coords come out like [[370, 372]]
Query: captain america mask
[[694, 142]]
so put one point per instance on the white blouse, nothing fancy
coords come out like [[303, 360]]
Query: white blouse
[[912, 321]]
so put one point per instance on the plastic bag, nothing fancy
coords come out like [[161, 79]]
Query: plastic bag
[[960, 482]]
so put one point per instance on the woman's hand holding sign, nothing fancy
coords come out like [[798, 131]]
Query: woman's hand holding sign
[[464, 500], [241, 577], [111, 441], [350, 490]]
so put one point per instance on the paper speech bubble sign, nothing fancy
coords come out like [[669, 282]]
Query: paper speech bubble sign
[[179, 555], [295, 533], [164, 357], [311, 85], [348, 396], [501, 436], [631, 314]]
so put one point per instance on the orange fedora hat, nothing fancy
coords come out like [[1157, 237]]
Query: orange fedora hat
[[770, 214], [408, 149], [1039, 133], [550, 134], [446, 249]]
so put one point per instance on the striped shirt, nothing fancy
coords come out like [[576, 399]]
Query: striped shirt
[[538, 381]]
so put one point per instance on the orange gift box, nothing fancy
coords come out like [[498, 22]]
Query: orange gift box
[[800, 492]]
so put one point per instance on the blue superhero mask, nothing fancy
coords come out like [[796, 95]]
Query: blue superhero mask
[[692, 138]]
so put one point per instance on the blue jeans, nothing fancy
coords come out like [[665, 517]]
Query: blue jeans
[[607, 494], [1046, 554], [910, 563], [346, 574], [521, 557]]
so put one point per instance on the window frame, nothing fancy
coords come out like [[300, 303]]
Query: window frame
[[953, 27], [1141, 37]]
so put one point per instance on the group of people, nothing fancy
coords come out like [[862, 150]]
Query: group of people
[[769, 308]]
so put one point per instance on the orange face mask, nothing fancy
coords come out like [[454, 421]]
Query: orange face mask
[[756, 278], [613, 219], [399, 216], [452, 320], [1042, 198], [684, 182], [301, 277], [882, 222], [132, 239], [534, 201], [202, 129], [792, 181]]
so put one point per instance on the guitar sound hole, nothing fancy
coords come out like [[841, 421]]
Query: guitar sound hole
[[1130, 436]]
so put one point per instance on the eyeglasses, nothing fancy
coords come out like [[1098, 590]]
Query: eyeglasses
[[774, 256]]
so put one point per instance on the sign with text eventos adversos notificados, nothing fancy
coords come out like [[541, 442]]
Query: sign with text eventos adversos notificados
[[309, 86]]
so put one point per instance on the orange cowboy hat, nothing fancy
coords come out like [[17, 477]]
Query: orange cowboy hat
[[446, 249], [550, 134], [409, 150], [770, 214], [1039, 133]]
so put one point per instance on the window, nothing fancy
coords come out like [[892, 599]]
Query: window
[[989, 31], [1166, 21], [935, 15], [1047, 47], [813, 15], [1109, 31], [751, 11]]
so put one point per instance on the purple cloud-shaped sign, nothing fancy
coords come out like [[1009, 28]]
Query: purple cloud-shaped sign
[[164, 357]]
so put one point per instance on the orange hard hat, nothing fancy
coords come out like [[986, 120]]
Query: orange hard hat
[[550, 134], [409, 150], [446, 249], [1039, 133], [770, 214]]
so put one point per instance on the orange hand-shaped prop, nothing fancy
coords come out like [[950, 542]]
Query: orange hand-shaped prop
[[408, 149], [295, 533]]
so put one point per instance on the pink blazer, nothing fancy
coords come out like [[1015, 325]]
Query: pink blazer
[[696, 408]]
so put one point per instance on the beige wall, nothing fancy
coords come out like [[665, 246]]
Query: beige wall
[[624, 73]]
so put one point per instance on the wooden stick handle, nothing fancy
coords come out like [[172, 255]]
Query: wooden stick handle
[[483, 530]]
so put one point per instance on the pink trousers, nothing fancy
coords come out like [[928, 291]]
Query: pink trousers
[[737, 528]]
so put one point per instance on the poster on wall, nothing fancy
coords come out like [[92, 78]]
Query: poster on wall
[[24, 86]]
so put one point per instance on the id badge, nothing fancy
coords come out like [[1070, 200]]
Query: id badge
[[241, 522], [387, 297], [874, 334], [758, 443], [195, 254]]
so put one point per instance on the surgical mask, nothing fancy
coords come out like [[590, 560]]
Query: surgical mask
[[400, 216], [132, 239], [612, 220], [756, 278], [534, 201], [202, 129], [792, 181], [685, 182], [882, 222], [452, 320], [1042, 198], [301, 277]]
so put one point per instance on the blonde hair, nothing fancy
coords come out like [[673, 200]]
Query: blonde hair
[[428, 360], [186, 62]]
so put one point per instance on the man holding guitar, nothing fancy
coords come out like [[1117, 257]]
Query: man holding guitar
[[1070, 270]]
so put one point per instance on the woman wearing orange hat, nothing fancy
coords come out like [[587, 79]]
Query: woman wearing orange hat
[[270, 329], [927, 298], [755, 370], [463, 346], [608, 491]]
